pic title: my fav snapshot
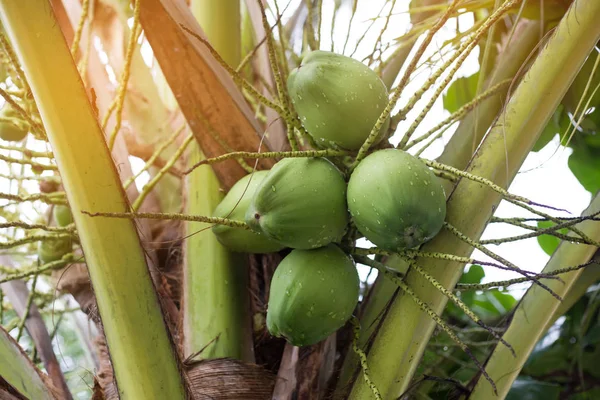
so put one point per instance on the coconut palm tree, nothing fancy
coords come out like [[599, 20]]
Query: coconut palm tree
[[125, 124]]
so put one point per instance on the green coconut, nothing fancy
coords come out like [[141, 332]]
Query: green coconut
[[301, 203], [313, 293], [234, 206], [395, 200], [11, 128], [338, 99], [54, 249], [62, 215]]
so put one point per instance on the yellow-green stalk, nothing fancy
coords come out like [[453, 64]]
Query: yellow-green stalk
[[142, 354], [372, 311], [587, 278], [536, 310], [20, 373], [215, 300], [396, 352]]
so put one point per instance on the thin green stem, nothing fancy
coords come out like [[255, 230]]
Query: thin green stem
[[54, 198], [163, 171], [462, 53], [27, 308], [460, 113], [269, 154], [170, 216], [423, 306], [58, 264], [493, 255], [122, 89], [85, 7], [397, 92], [362, 357], [484, 286], [237, 77], [155, 156]]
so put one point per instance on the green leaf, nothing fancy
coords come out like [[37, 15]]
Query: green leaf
[[549, 243], [474, 275], [591, 394], [460, 92], [529, 389], [593, 335], [506, 300], [584, 163], [546, 359], [492, 303], [593, 140]]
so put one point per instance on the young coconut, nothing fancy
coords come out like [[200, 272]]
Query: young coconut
[[11, 128], [301, 203], [234, 206], [395, 200], [313, 293], [338, 99], [62, 215], [54, 249]]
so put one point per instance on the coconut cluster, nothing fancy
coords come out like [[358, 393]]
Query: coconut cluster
[[54, 249], [305, 204]]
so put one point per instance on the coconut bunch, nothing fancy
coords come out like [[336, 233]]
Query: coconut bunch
[[306, 204]]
